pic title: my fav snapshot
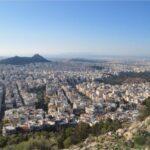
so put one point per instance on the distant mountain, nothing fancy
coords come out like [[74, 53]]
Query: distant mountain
[[24, 60]]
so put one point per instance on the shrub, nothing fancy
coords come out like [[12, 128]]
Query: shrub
[[145, 110], [139, 140], [142, 138]]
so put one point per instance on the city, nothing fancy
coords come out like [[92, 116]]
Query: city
[[74, 75], [70, 93]]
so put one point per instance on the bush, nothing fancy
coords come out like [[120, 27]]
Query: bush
[[139, 140], [142, 138], [40, 144], [145, 110]]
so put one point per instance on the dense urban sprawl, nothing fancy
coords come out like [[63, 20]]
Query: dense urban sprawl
[[51, 95]]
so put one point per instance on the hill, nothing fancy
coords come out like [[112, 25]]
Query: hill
[[136, 136], [23, 60]]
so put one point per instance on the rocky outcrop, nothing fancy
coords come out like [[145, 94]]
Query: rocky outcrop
[[136, 127]]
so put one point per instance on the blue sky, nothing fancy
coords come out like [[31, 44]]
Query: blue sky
[[74, 27]]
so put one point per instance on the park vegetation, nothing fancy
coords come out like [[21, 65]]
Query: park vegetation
[[124, 77]]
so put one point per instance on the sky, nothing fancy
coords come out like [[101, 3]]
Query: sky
[[75, 27]]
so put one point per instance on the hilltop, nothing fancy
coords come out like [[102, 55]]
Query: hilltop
[[24, 60]]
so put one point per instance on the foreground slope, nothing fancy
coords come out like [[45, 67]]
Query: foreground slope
[[136, 136]]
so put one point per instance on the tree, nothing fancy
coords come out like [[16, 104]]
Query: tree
[[96, 129], [3, 141], [69, 131], [39, 143], [67, 142], [82, 130]]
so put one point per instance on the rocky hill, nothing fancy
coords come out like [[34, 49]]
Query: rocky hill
[[23, 60], [136, 136]]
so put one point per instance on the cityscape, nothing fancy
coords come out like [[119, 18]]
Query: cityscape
[[93, 97], [53, 95]]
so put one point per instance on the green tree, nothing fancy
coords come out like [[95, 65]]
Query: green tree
[[82, 130], [3, 141], [69, 131], [67, 142]]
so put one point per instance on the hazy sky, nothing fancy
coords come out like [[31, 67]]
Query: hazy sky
[[51, 28]]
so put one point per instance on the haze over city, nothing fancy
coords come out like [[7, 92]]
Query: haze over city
[[75, 27]]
